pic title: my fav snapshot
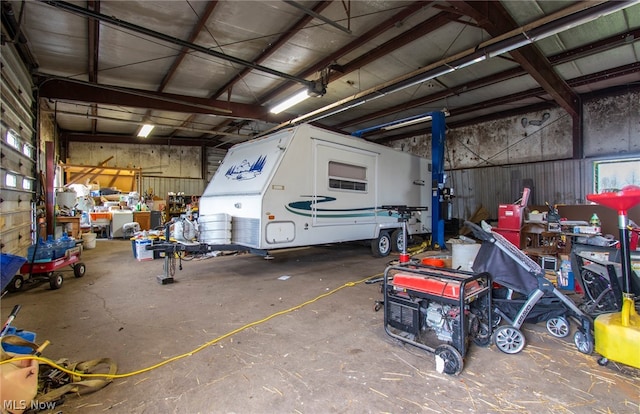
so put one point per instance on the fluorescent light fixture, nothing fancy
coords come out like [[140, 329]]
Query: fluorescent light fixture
[[337, 111], [293, 100], [471, 62], [407, 123], [145, 130]]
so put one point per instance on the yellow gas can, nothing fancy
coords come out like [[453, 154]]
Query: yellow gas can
[[617, 335]]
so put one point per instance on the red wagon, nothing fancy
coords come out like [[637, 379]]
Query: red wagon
[[49, 270]]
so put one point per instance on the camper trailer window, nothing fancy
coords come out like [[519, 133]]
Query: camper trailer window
[[347, 177], [347, 185]]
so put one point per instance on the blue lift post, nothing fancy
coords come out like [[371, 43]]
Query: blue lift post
[[437, 178], [437, 169]]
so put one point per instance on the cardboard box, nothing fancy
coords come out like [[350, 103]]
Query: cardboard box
[[142, 254]]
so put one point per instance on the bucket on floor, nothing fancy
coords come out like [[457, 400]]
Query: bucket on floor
[[463, 255], [89, 240]]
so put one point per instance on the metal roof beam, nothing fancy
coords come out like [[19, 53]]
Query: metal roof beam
[[495, 19], [128, 139], [14, 32], [418, 31], [273, 47], [93, 54], [67, 89], [573, 54], [315, 14], [72, 8], [575, 14], [327, 61], [537, 92], [360, 41], [202, 21]]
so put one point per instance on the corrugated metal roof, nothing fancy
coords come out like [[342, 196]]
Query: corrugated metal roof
[[230, 61]]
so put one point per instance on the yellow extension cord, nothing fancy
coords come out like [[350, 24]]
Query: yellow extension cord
[[198, 349]]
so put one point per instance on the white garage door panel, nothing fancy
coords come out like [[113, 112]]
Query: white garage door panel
[[17, 170]]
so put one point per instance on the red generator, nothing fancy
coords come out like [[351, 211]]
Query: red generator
[[438, 310]]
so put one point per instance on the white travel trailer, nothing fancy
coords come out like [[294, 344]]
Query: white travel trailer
[[305, 186]]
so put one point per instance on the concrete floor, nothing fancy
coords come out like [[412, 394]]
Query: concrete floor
[[330, 356]]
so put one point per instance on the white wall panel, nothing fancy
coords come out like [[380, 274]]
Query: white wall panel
[[164, 161]]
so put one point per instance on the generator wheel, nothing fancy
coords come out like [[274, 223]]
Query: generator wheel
[[509, 339], [397, 241], [381, 247], [582, 342], [79, 269], [448, 360], [16, 284], [55, 280], [558, 327]]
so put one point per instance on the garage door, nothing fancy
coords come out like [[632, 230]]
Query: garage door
[[17, 170]]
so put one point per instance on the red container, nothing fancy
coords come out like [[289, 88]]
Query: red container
[[513, 236], [431, 261], [510, 216]]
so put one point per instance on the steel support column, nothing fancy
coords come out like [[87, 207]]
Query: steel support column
[[50, 200], [437, 178]]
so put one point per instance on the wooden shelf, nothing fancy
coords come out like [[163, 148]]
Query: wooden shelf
[[70, 222], [177, 204]]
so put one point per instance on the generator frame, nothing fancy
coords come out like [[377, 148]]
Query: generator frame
[[403, 320]]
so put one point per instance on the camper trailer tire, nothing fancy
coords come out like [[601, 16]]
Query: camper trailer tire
[[397, 241], [381, 247]]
